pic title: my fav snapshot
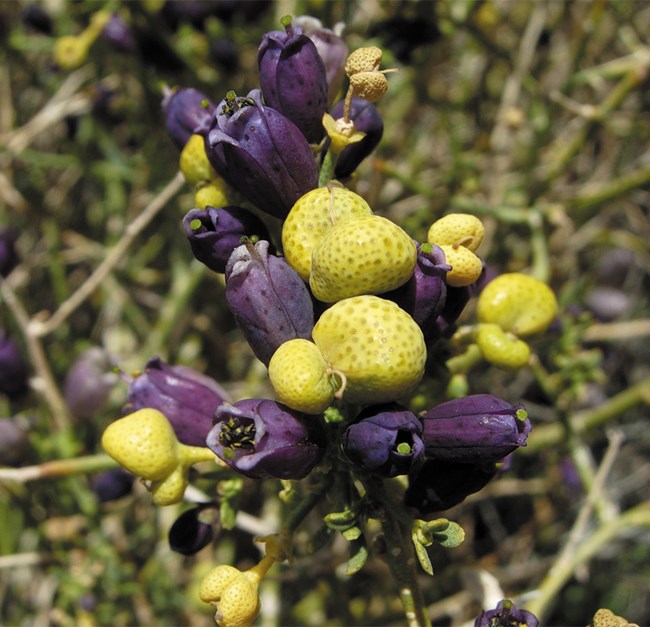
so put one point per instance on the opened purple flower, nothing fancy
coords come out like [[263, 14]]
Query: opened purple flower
[[477, 429], [261, 153], [293, 79], [506, 614], [214, 232], [185, 396], [261, 439], [270, 302], [386, 439], [187, 111]]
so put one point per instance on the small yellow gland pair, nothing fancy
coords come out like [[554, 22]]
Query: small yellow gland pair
[[145, 444], [334, 241]]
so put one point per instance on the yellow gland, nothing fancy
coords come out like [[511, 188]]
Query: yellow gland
[[194, 163], [171, 489], [457, 229], [518, 303], [214, 193], [466, 267], [500, 348], [362, 255], [311, 217], [216, 581], [370, 86], [239, 604], [375, 344], [301, 378], [144, 443], [365, 59]]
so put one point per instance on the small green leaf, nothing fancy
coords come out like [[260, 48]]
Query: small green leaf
[[358, 556], [340, 521], [227, 515], [423, 556], [352, 533], [451, 537]]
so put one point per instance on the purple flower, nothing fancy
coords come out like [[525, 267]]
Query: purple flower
[[477, 429], [293, 79], [214, 232], [270, 302], [423, 296], [439, 485], [506, 614], [366, 118], [13, 368], [88, 383], [189, 533], [386, 439], [186, 397], [113, 484], [8, 253], [187, 111], [119, 33], [261, 438], [261, 153]]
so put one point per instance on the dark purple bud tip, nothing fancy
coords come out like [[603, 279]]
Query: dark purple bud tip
[[386, 439], [112, 485], [506, 614], [261, 438], [193, 529], [13, 368], [477, 429], [185, 396], [214, 232], [187, 111]]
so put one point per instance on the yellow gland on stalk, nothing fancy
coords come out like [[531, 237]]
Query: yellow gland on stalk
[[501, 348], [71, 51]]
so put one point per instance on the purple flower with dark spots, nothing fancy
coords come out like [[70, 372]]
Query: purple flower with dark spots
[[214, 232], [270, 302], [438, 485], [506, 614], [260, 438], [477, 429], [293, 79], [385, 439], [185, 396], [261, 153], [187, 111]]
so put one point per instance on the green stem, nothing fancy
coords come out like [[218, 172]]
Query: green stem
[[327, 168], [59, 468]]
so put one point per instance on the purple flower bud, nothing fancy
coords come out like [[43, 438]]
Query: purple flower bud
[[261, 153], [506, 614], [8, 253], [14, 442], [189, 533], [119, 33], [477, 429], [13, 368], [214, 233], [261, 439], [386, 440], [366, 118], [88, 383], [439, 485], [332, 50], [270, 302], [186, 397], [112, 485], [423, 296], [293, 79], [187, 112]]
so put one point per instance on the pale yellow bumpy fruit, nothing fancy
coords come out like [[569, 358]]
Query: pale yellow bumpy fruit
[[501, 348], [466, 267], [457, 229], [375, 344], [363, 255], [518, 303], [193, 162], [313, 215], [301, 377]]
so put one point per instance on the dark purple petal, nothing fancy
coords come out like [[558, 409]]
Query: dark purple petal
[[13, 368], [189, 533], [113, 484], [187, 111], [506, 614]]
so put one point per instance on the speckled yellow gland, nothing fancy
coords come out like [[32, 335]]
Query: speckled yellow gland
[[518, 303], [375, 344], [365, 59], [214, 193], [370, 86], [364, 255], [500, 348], [311, 217], [193, 162], [144, 443], [171, 489], [300, 377], [216, 581], [239, 604], [457, 229], [466, 267]]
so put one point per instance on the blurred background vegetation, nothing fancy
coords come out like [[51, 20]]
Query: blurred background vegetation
[[533, 115]]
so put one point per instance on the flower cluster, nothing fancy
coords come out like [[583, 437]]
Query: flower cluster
[[345, 308]]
